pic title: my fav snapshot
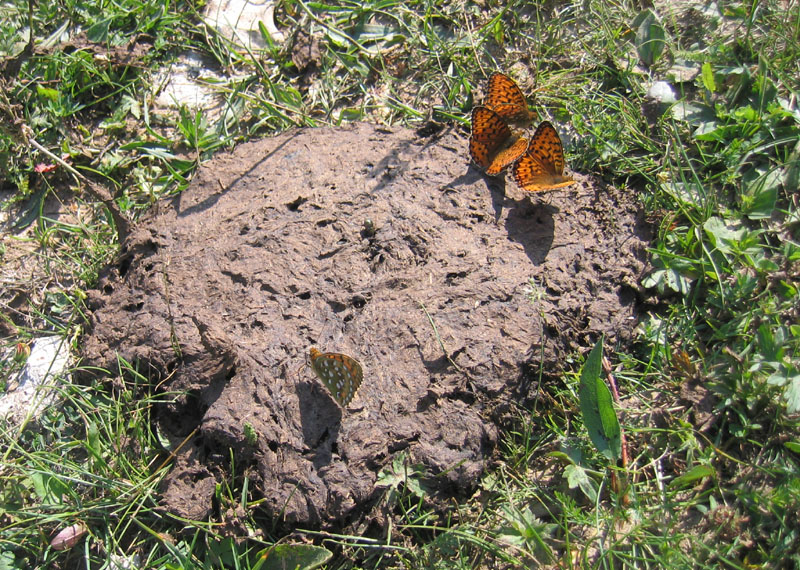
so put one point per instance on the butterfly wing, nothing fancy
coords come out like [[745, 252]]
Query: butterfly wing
[[353, 376], [541, 168], [492, 145], [341, 374], [489, 132], [507, 156], [506, 99]]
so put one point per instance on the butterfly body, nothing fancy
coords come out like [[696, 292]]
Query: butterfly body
[[493, 146], [341, 374], [541, 167]]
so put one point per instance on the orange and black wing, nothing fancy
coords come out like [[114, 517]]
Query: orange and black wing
[[541, 168], [505, 98], [492, 145]]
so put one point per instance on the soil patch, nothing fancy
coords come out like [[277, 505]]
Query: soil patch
[[338, 238]]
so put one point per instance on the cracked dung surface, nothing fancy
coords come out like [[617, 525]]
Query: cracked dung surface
[[221, 293]]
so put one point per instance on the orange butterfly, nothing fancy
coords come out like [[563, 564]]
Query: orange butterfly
[[505, 98], [492, 145], [541, 167]]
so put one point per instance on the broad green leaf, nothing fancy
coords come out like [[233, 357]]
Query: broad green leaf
[[377, 32], [578, 479], [30, 210], [48, 93], [711, 131], [694, 474], [649, 37], [791, 251], [98, 32], [766, 265], [786, 289], [760, 193], [562, 457], [294, 557], [8, 562], [50, 489], [792, 395], [525, 528], [671, 272], [793, 446], [746, 114], [687, 193], [721, 235], [677, 282], [694, 114], [791, 176], [597, 406], [777, 378], [707, 75], [769, 346]]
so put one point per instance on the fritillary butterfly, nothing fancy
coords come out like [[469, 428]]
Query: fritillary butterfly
[[492, 145], [505, 98], [339, 372], [541, 167]]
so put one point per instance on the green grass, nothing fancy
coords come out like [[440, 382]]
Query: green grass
[[717, 173]]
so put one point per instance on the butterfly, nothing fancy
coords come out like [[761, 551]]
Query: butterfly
[[493, 146], [504, 97], [541, 167], [339, 372]]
